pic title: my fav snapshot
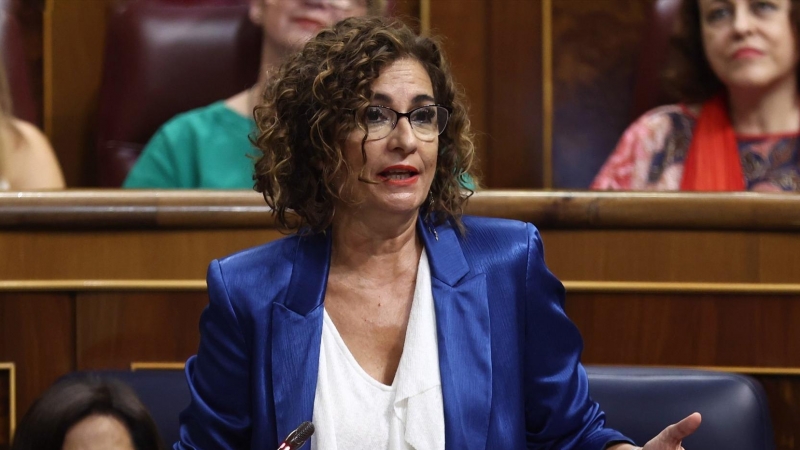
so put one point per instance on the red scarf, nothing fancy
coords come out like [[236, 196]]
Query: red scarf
[[712, 163]]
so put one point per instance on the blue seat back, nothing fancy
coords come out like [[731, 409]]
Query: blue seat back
[[642, 401]]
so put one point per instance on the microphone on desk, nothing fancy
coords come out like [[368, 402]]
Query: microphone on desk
[[298, 437]]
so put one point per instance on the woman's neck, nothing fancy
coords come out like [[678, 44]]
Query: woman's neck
[[773, 110], [379, 248]]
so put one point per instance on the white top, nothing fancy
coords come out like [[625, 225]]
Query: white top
[[352, 410]]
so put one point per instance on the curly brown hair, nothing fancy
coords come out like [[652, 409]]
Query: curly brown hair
[[689, 77], [308, 111]]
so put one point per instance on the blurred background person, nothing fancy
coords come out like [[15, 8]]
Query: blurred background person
[[27, 161], [736, 128], [87, 413], [209, 147]]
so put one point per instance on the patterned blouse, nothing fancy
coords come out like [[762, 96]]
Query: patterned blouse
[[650, 155]]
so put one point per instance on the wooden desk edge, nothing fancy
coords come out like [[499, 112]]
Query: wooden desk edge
[[129, 209]]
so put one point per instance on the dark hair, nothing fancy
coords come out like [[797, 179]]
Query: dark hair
[[689, 77], [307, 112], [71, 400]]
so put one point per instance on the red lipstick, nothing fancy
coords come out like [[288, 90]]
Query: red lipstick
[[399, 175]]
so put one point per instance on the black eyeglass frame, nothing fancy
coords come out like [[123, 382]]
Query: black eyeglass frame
[[407, 115]]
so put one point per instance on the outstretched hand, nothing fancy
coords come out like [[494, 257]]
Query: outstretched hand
[[671, 437]]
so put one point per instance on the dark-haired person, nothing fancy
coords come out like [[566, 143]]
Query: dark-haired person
[[737, 127], [210, 147], [87, 413], [389, 319]]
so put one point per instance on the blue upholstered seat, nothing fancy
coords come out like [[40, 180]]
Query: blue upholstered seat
[[641, 401]]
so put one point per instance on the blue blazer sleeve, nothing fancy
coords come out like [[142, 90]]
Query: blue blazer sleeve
[[558, 411], [218, 377]]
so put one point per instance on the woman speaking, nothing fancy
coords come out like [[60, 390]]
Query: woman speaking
[[388, 319]]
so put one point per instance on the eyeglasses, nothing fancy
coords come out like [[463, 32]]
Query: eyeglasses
[[427, 122]]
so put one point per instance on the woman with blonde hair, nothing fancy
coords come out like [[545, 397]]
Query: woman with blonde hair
[[27, 161]]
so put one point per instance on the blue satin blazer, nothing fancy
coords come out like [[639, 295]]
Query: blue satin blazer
[[508, 354]]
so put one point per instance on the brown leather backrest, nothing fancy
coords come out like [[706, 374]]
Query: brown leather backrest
[[162, 58], [12, 49], [648, 90]]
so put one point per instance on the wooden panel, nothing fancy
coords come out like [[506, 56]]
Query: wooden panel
[[595, 48], [783, 394], [687, 256], [688, 330], [74, 35], [515, 92], [37, 335], [406, 9], [120, 255], [465, 32], [692, 256], [29, 14], [5, 408], [115, 329], [774, 261]]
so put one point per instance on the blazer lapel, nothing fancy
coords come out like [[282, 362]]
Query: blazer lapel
[[296, 334], [462, 319]]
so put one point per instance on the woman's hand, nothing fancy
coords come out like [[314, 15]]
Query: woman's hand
[[671, 437]]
